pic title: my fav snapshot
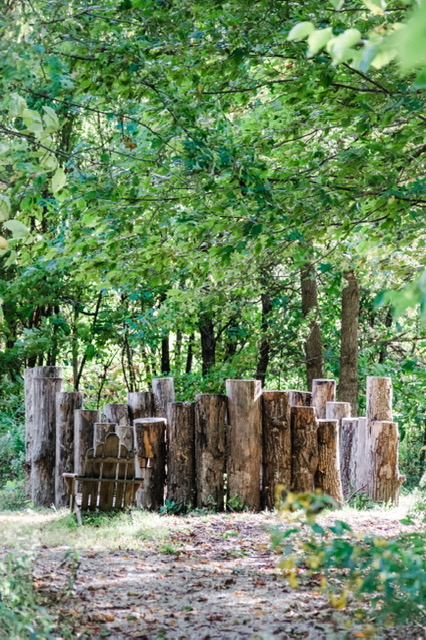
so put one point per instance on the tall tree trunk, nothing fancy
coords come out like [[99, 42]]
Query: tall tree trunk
[[208, 343], [384, 348], [313, 344], [165, 356], [265, 344], [348, 381], [190, 354]]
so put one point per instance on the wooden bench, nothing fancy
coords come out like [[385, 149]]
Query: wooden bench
[[108, 482]]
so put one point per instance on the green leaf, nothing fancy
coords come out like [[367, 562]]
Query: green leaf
[[59, 180], [339, 46], [376, 6], [50, 118], [18, 229], [4, 207], [4, 245], [318, 39], [300, 31]]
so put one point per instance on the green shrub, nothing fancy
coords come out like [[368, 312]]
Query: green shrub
[[12, 433], [12, 496]]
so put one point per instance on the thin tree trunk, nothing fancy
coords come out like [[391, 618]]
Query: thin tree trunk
[[348, 380], [165, 355], [190, 354], [265, 345], [208, 343], [313, 343]]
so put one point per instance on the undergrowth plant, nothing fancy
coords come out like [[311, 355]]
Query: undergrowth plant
[[382, 579]]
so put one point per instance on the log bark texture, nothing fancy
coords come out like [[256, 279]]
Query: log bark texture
[[150, 436], [327, 477], [66, 404], [181, 454], [244, 442], [44, 439], [210, 431], [164, 392], [323, 391], [100, 432], [300, 398], [362, 456], [385, 477], [337, 411], [84, 422], [313, 344], [304, 448], [348, 455], [276, 414], [379, 408], [29, 425], [348, 379], [117, 413], [141, 405]]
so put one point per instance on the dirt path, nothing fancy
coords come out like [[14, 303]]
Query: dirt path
[[214, 579]]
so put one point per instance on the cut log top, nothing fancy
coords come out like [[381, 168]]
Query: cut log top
[[148, 421]]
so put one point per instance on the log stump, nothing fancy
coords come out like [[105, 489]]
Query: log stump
[[276, 413], [84, 424], [304, 448], [300, 398], [117, 413], [244, 443], [150, 436], [164, 392], [348, 455], [385, 477], [337, 411], [327, 476], [141, 405], [66, 404], [379, 409], [210, 463], [44, 438], [323, 391], [181, 454]]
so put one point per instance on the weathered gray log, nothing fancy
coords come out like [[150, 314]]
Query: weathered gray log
[[66, 404], [385, 477], [84, 425], [349, 437], [150, 435], [327, 477], [379, 409], [29, 425], [44, 437], [164, 392], [276, 413], [181, 454], [304, 448], [210, 463], [323, 391], [141, 405], [126, 435], [337, 411], [362, 456], [117, 413], [244, 442], [300, 398], [100, 432]]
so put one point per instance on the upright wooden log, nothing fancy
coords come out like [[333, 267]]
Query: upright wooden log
[[164, 392], [327, 477], [117, 413], [276, 413], [44, 437], [361, 455], [84, 424], [337, 411], [379, 409], [181, 454], [141, 405], [348, 455], [323, 391], [304, 448], [126, 435], [210, 430], [66, 404], [300, 398], [244, 442], [151, 461], [100, 432], [29, 425], [385, 477]]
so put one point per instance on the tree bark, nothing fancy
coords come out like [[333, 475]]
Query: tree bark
[[44, 438], [323, 391], [265, 345], [117, 413], [300, 398], [276, 413], [304, 448], [84, 425], [140, 405], [100, 432], [379, 409], [362, 457], [151, 457], [66, 404], [337, 411], [244, 442], [181, 454], [208, 343], [165, 355], [349, 435], [164, 392], [348, 379], [29, 425], [313, 343], [210, 430], [385, 477], [327, 477], [189, 354]]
